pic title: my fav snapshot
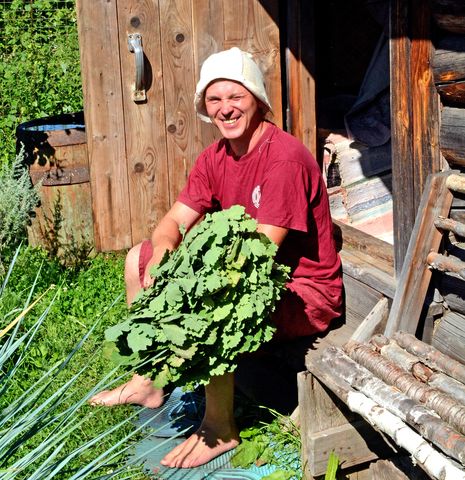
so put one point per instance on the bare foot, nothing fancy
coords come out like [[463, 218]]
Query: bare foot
[[201, 447], [138, 391]]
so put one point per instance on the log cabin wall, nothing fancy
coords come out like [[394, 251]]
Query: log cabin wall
[[445, 327]]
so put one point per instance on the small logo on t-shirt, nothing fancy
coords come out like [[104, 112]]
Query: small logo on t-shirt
[[256, 195]]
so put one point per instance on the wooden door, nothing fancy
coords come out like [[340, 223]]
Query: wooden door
[[141, 151]]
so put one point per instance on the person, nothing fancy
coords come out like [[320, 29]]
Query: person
[[277, 180]]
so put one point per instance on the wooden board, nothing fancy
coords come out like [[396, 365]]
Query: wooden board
[[103, 106], [449, 335], [415, 277], [300, 65], [414, 115], [453, 134], [144, 122], [325, 427], [179, 82]]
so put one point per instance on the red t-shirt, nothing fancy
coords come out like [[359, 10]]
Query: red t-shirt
[[279, 183]]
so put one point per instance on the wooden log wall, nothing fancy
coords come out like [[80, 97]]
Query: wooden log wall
[[448, 65]]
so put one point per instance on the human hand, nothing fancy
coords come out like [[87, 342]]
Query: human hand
[[148, 279]]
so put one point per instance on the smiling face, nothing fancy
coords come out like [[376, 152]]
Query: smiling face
[[236, 113]]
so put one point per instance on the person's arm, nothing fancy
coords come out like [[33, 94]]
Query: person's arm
[[167, 236], [275, 234]]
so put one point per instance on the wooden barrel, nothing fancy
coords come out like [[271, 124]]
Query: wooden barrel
[[55, 151]]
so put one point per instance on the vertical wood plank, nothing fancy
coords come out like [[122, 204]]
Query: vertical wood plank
[[144, 121], [414, 115], [253, 26], [425, 99], [183, 144], [208, 38], [401, 131], [415, 276], [99, 49], [300, 65]]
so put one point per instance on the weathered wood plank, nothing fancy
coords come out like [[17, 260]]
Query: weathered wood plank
[[414, 280], [183, 144], [425, 100], [253, 26], [208, 38], [348, 237], [325, 427], [414, 115], [449, 335], [453, 135], [397, 468], [144, 121], [103, 107], [401, 131], [373, 323], [369, 271], [300, 64]]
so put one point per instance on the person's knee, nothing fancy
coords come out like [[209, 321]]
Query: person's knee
[[131, 266]]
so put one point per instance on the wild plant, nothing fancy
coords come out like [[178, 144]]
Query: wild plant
[[36, 425], [17, 200]]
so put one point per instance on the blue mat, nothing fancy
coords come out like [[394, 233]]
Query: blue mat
[[181, 416]]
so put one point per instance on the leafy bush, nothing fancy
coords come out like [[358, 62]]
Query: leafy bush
[[17, 200], [39, 64], [51, 364]]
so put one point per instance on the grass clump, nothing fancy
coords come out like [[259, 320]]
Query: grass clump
[[50, 363]]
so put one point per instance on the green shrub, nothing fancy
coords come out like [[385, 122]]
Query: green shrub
[[17, 201], [39, 64]]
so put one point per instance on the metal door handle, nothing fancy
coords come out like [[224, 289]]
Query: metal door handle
[[135, 46]]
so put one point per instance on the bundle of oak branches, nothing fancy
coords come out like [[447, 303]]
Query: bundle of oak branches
[[210, 302]]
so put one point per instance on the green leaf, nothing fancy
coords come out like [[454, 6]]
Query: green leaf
[[174, 334], [140, 337], [332, 467], [280, 475], [246, 453], [173, 294]]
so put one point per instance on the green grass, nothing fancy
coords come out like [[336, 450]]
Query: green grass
[[91, 298]]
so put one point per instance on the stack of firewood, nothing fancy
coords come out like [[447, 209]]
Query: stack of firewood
[[408, 390]]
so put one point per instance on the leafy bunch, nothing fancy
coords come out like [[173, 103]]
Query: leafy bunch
[[210, 302]]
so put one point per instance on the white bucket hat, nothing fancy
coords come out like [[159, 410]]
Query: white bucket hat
[[232, 64]]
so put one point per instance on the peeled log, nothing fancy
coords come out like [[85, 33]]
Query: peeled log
[[412, 363], [446, 407], [429, 425], [452, 135], [434, 463], [433, 357]]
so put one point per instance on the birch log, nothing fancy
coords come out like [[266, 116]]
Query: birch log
[[436, 465], [447, 408], [433, 357], [423, 420], [413, 364]]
